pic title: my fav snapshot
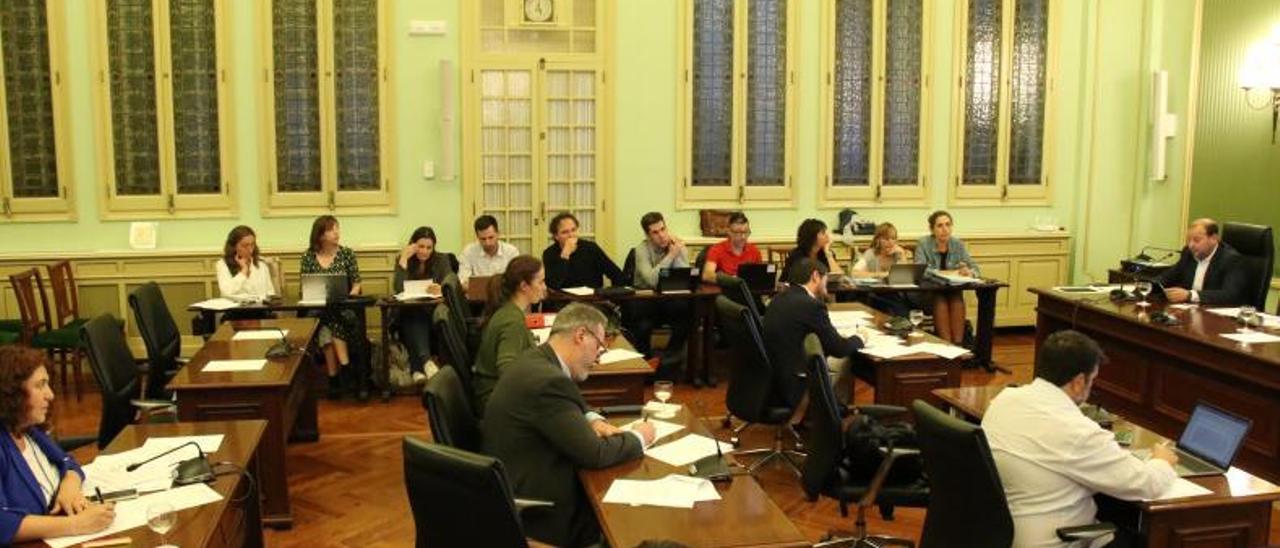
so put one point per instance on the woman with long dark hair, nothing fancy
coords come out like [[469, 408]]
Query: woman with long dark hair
[[812, 242], [39, 483], [326, 255], [242, 275], [419, 261], [504, 334]]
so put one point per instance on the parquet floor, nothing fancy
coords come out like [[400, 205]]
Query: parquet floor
[[347, 489]]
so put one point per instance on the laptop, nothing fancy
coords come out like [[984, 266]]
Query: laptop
[[905, 274], [759, 276], [324, 288], [676, 280], [1210, 441]]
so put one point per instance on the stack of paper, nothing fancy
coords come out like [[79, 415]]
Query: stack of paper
[[260, 335], [1252, 337], [673, 491], [1182, 488], [109, 472], [217, 304], [225, 366], [619, 354], [581, 291], [133, 513], [947, 351], [661, 429], [688, 449]]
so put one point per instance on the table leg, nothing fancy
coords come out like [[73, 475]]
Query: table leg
[[384, 376], [986, 329], [306, 426]]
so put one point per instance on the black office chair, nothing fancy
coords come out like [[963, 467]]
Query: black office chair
[[738, 292], [449, 411], [160, 336], [700, 260], [967, 506], [460, 311], [455, 353], [749, 396], [459, 498], [629, 267], [1255, 243], [117, 374], [453, 262], [827, 471]]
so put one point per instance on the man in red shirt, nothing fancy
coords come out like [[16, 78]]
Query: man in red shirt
[[733, 251]]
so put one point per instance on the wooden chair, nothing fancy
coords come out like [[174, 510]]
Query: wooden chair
[[61, 343]]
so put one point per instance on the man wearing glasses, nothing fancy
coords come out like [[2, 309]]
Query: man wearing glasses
[[539, 426], [733, 251]]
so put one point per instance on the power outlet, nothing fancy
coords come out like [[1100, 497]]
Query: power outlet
[[428, 169]]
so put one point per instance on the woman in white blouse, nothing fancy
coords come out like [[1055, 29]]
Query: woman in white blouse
[[242, 275]]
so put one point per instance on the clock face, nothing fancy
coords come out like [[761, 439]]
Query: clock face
[[538, 11]]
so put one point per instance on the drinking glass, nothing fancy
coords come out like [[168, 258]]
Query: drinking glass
[[161, 518], [1142, 288], [916, 317], [662, 390], [1248, 316]]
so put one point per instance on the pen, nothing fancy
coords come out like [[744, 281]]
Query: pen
[[644, 417], [98, 490]]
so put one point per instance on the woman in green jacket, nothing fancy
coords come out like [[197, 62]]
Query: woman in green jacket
[[504, 334]]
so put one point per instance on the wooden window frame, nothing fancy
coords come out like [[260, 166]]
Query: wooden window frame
[[329, 199]]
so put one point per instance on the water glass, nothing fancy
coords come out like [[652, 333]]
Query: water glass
[[161, 518], [1142, 288], [1248, 316]]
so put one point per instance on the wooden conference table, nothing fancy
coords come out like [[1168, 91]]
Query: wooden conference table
[[279, 393], [232, 522], [1237, 513], [1157, 373], [904, 379], [744, 515]]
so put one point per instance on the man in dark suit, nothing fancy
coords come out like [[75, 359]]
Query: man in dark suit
[[539, 426], [1209, 271], [790, 317], [574, 262]]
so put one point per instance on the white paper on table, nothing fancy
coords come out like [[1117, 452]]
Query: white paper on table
[[1081, 289], [312, 302], [1183, 306], [687, 449], [208, 443], [956, 279], [224, 366], [217, 304], [1182, 488], [1227, 311], [661, 429], [947, 351], [619, 354], [1252, 337], [542, 334], [133, 513], [849, 317], [663, 409], [419, 289], [672, 491], [581, 291], [903, 286], [888, 352], [260, 335]]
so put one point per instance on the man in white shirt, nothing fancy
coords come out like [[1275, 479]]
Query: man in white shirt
[[487, 255], [1052, 459], [1209, 271]]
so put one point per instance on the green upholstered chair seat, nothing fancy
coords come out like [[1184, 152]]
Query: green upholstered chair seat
[[63, 337]]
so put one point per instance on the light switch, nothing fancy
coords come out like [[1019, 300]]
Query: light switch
[[428, 169]]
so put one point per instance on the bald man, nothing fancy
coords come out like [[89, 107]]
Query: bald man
[[1209, 271]]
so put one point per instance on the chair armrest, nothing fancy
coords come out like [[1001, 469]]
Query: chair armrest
[[878, 411], [524, 504], [1086, 532], [181, 360], [151, 405], [892, 454], [621, 410]]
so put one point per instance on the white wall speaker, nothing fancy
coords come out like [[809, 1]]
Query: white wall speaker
[[448, 141], [1164, 125]]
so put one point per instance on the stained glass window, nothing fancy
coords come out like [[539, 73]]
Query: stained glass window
[[766, 92], [29, 98], [982, 92], [131, 60], [297, 96], [712, 92], [355, 27], [852, 93], [193, 43], [1027, 93], [902, 85]]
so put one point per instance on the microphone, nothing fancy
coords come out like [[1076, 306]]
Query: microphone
[[195, 470], [281, 348], [713, 468], [1139, 268]]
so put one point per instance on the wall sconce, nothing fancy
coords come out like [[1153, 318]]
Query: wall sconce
[[1260, 76]]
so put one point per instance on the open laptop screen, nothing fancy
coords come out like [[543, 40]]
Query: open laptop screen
[[1213, 435]]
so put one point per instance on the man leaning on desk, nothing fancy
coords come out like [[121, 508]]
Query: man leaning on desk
[[1209, 271], [1052, 459], [539, 426]]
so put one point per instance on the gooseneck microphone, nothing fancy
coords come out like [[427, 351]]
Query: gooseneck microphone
[[138, 465]]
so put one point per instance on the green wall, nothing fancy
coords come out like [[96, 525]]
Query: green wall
[[1236, 173], [1106, 51]]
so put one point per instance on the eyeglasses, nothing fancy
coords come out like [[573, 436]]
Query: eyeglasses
[[601, 347]]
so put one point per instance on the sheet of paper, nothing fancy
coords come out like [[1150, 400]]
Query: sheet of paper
[[1252, 337], [658, 408], [208, 444], [224, 366], [1183, 306], [1183, 488], [947, 351], [888, 352], [687, 449], [1081, 289], [619, 354], [311, 302], [849, 317], [542, 334], [110, 472], [133, 513], [672, 491], [216, 304], [260, 335], [661, 429], [580, 291]]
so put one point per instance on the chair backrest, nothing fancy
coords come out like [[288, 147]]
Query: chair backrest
[[114, 368], [451, 289], [459, 498], [629, 267], [276, 272], [456, 354], [750, 373], [449, 411], [453, 262], [160, 335], [825, 439], [700, 260], [26, 285], [967, 506], [1255, 243], [66, 299], [737, 291]]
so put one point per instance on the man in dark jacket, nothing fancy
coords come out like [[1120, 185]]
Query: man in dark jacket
[[792, 315], [1209, 271], [539, 426], [573, 262]]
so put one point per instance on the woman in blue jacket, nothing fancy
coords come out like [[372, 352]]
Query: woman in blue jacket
[[39, 483], [946, 254]]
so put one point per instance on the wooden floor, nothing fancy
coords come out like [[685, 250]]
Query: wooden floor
[[347, 488]]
